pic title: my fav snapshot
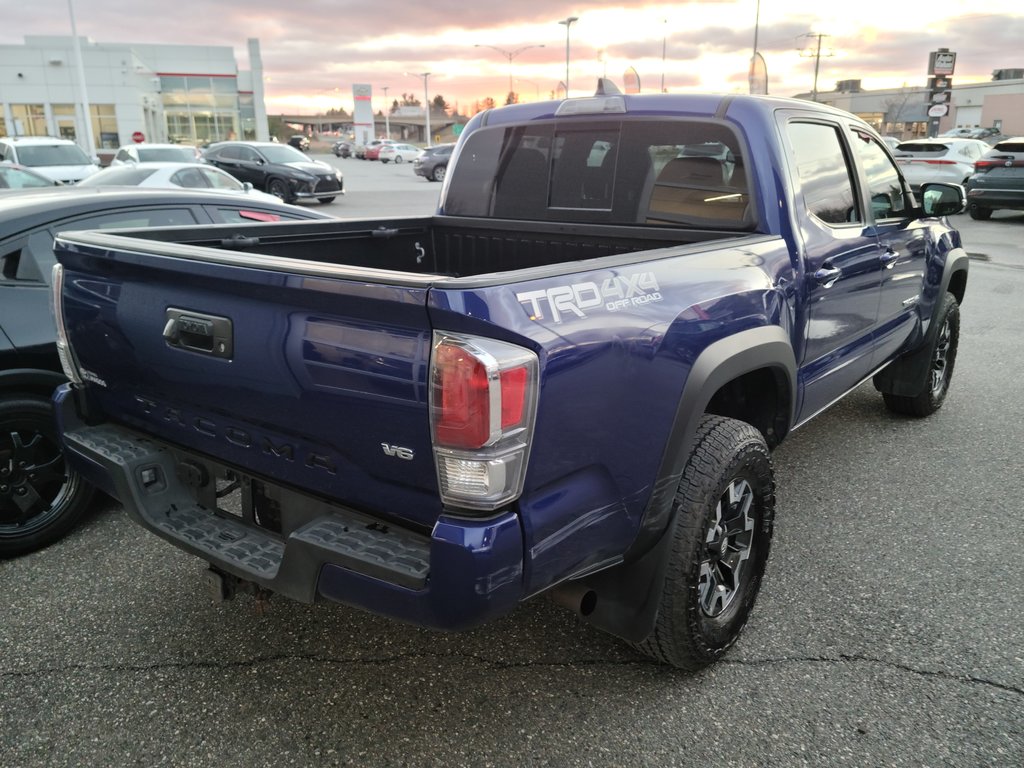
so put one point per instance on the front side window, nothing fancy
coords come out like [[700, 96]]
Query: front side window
[[883, 180], [826, 182]]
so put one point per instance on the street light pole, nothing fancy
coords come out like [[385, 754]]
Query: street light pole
[[83, 92], [568, 23], [426, 106], [387, 110], [509, 55]]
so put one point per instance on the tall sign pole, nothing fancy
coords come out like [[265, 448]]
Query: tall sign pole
[[941, 64]]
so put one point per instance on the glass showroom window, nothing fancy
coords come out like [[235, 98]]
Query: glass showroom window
[[64, 117], [247, 114], [104, 126], [29, 119]]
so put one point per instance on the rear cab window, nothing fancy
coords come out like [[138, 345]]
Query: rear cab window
[[679, 173]]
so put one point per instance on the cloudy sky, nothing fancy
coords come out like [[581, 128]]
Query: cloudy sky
[[314, 50]]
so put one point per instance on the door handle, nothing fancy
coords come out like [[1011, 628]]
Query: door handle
[[889, 257], [827, 276]]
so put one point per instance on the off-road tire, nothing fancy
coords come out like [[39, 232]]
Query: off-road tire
[[728, 455], [32, 467], [942, 358]]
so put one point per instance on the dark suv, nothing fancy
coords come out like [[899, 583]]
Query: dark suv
[[433, 163], [279, 169], [40, 499], [299, 141]]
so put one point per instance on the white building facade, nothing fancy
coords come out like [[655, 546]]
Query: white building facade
[[165, 93]]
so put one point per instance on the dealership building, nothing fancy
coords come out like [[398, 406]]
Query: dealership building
[[159, 93]]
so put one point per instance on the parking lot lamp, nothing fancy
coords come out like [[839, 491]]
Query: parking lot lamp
[[509, 55], [426, 102], [387, 110], [568, 23]]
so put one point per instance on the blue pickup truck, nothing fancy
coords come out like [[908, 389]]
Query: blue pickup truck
[[567, 381]]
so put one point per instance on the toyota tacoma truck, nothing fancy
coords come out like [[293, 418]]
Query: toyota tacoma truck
[[568, 381]]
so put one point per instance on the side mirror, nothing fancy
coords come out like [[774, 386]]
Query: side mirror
[[96, 160], [247, 186], [939, 199]]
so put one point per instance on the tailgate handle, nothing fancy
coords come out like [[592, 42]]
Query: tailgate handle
[[197, 332]]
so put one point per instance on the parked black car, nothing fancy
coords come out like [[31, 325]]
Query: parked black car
[[40, 499], [1001, 188], [342, 149], [279, 169], [433, 163], [299, 141]]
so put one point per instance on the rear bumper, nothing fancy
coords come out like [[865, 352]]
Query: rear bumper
[[464, 573]]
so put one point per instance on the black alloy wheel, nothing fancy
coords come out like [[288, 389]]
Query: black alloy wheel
[[40, 498]]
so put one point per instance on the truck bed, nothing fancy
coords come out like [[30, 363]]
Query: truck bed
[[431, 246]]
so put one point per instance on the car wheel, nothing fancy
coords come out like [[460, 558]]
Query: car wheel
[[438, 174], [399, 159], [325, 200], [385, 162], [724, 514], [979, 213], [40, 498], [940, 373], [279, 189]]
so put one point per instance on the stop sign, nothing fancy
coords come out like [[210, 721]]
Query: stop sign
[[138, 137]]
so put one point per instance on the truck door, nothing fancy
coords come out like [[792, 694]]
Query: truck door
[[902, 245], [841, 268]]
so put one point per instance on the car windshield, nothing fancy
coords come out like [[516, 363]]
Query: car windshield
[[124, 175], [15, 178], [167, 154], [54, 154], [283, 154]]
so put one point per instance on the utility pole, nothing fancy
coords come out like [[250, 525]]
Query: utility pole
[[817, 59], [664, 40], [387, 111]]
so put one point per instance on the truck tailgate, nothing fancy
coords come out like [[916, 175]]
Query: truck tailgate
[[316, 382]]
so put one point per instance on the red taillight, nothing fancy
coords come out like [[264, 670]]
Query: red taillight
[[513, 396], [463, 392], [483, 404]]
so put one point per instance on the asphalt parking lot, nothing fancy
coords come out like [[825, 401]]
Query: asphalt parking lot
[[888, 632]]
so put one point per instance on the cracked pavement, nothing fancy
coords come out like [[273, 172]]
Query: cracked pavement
[[888, 632]]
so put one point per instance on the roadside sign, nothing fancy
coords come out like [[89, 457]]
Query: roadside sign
[[138, 137], [939, 110], [457, 129]]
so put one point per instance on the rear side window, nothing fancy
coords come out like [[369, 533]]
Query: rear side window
[[155, 217], [1009, 146], [826, 183], [679, 173]]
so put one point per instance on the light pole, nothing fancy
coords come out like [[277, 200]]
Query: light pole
[[426, 102], [664, 41], [387, 110], [509, 55], [568, 23]]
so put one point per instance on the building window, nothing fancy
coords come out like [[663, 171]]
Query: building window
[[247, 115], [29, 120], [64, 118], [104, 126], [3, 125], [200, 108]]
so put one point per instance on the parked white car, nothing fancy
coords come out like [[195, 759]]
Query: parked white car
[[171, 175], [130, 154], [57, 159], [400, 153], [944, 159]]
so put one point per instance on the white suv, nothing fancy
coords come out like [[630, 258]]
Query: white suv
[[57, 159], [946, 159]]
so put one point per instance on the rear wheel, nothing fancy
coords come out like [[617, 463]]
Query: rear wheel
[[438, 174], [325, 200], [979, 213], [724, 513], [943, 358], [399, 159], [40, 498]]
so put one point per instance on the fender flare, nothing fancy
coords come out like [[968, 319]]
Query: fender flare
[[35, 381], [908, 374], [628, 595]]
